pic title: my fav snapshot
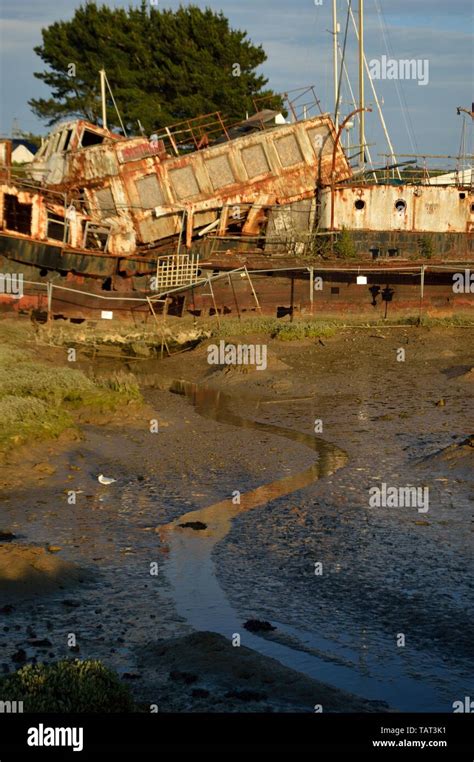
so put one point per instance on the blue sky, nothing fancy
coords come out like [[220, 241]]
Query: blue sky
[[295, 38]]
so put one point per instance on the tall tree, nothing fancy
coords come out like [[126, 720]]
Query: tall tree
[[163, 66]]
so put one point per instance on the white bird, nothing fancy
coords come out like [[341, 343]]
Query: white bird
[[105, 479]]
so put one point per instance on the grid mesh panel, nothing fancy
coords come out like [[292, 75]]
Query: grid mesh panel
[[176, 270]]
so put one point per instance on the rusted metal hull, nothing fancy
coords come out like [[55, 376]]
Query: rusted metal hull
[[387, 294], [45, 255], [421, 209], [391, 291], [413, 245]]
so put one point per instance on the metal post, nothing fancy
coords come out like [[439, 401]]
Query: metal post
[[422, 290], [292, 297], [171, 139], [163, 340], [214, 302], [163, 320], [311, 289], [181, 232], [231, 283], [49, 287], [253, 290]]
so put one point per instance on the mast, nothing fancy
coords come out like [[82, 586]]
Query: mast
[[361, 84], [102, 96], [377, 101], [335, 30]]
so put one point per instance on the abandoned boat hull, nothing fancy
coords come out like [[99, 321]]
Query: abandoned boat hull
[[332, 290]]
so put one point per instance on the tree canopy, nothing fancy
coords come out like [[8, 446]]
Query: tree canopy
[[163, 66]]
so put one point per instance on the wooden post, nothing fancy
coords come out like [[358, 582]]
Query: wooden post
[[292, 297], [311, 289]]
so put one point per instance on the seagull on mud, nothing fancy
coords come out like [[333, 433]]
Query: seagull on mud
[[105, 479]]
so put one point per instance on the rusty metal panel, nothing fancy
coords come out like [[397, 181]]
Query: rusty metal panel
[[288, 151], [152, 229], [184, 183], [321, 141], [149, 191], [220, 171], [205, 218], [135, 150], [106, 202], [95, 162], [5, 158], [5, 152], [399, 208], [255, 161]]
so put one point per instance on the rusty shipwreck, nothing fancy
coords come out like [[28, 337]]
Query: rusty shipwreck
[[99, 224]]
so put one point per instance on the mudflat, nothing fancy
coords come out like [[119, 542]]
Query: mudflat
[[384, 572]]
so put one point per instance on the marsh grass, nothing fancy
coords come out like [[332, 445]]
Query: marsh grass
[[273, 327], [37, 399], [67, 686], [25, 418], [283, 330]]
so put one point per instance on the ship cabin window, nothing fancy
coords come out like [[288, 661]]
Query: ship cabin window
[[57, 228], [90, 138], [41, 150], [67, 140], [56, 142], [462, 196], [359, 204], [400, 205], [96, 236], [472, 208], [17, 216]]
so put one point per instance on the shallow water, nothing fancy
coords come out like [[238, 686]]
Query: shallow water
[[256, 559], [411, 681]]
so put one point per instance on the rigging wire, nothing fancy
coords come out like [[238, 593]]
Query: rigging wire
[[339, 84], [401, 96]]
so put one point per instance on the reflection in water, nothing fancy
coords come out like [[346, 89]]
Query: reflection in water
[[214, 404], [190, 569], [200, 599]]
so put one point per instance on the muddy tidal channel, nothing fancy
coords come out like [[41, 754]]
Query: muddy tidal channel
[[242, 507]]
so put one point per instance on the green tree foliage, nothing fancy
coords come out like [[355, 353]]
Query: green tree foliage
[[163, 66]]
